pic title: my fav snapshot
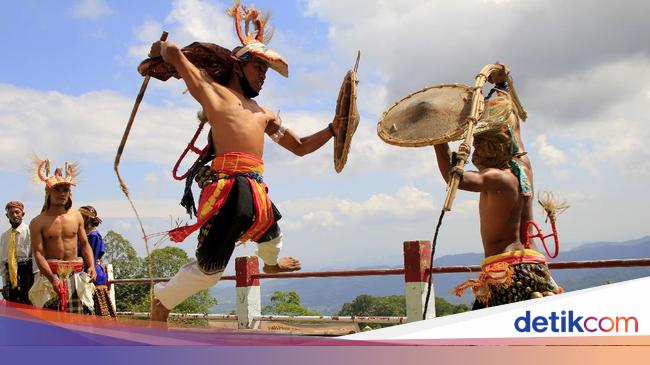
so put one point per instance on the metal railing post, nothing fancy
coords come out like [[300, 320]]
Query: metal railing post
[[416, 276], [249, 300]]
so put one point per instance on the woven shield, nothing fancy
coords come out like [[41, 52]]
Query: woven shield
[[214, 59], [431, 116], [346, 108]]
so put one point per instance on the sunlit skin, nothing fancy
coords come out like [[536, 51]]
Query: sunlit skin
[[502, 208], [239, 123], [55, 233]]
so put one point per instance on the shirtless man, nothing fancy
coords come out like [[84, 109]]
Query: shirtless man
[[504, 181], [62, 284], [234, 206]]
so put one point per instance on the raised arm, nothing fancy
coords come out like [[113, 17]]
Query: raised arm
[[199, 84], [488, 179], [305, 145]]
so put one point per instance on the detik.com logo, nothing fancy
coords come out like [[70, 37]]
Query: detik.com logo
[[568, 321]]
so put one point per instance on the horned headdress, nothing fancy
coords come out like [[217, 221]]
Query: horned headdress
[[42, 170], [255, 44]]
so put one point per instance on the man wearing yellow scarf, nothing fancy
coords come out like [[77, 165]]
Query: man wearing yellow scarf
[[16, 264]]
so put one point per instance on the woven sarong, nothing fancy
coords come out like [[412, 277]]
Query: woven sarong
[[511, 277], [74, 293]]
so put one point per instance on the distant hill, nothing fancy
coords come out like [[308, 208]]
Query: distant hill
[[327, 295]]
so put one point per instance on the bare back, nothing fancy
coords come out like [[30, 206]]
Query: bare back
[[502, 213]]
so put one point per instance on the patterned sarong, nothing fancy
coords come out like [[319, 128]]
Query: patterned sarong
[[213, 196], [102, 300], [74, 293], [511, 277]]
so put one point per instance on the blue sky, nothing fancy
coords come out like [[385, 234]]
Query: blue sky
[[68, 82]]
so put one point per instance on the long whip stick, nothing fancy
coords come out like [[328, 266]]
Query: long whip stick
[[462, 155], [116, 166]]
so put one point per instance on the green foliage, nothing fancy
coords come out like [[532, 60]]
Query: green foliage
[[287, 303], [166, 262], [391, 306], [444, 308], [367, 305], [126, 265]]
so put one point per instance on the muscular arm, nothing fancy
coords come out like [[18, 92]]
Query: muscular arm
[[39, 252], [201, 86], [488, 179], [299, 146]]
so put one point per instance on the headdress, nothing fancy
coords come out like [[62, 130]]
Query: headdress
[[42, 173], [254, 45], [90, 214], [15, 204], [496, 127], [217, 61]]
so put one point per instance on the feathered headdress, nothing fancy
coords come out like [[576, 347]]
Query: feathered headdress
[[254, 45], [42, 170]]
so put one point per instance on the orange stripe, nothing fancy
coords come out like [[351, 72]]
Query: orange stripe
[[515, 257]]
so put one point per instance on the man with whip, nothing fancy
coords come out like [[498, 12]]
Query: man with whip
[[234, 205]]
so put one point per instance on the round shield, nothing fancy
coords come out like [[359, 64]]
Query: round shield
[[346, 108], [428, 117]]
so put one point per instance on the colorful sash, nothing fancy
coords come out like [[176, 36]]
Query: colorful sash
[[497, 271], [63, 269], [213, 196]]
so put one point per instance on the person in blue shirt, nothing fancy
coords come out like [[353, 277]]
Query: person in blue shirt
[[103, 305]]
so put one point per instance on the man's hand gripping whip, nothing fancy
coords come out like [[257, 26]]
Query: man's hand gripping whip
[[116, 165]]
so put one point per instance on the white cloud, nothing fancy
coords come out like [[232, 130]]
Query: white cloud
[[91, 9], [51, 124], [551, 155], [146, 33], [189, 21], [380, 208], [153, 208], [151, 178]]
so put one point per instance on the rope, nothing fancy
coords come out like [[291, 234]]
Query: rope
[[116, 166], [433, 252]]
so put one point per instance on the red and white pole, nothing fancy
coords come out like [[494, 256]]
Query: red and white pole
[[249, 299], [417, 255]]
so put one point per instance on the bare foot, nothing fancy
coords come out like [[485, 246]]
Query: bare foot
[[285, 264], [158, 311]]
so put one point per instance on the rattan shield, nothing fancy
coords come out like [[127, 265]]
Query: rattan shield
[[346, 108], [433, 115]]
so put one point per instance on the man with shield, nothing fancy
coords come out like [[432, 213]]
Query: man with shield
[[513, 269], [234, 205]]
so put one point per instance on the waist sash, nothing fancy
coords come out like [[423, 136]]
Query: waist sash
[[228, 166], [63, 269], [497, 270]]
